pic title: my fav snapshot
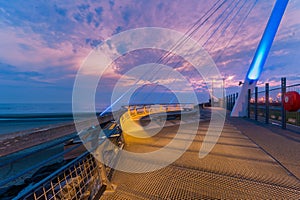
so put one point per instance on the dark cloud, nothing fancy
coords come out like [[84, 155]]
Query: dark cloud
[[83, 7], [78, 17], [99, 11], [118, 30], [62, 11], [9, 72], [93, 42], [111, 3], [96, 24], [89, 17], [135, 58], [126, 14], [26, 47]]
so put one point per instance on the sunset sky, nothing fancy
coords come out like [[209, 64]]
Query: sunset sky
[[43, 43]]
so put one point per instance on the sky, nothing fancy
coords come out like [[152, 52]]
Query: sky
[[44, 43]]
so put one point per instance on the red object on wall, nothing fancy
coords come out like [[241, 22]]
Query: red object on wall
[[291, 101]]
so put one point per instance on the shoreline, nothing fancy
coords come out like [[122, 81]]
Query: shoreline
[[13, 124], [17, 141]]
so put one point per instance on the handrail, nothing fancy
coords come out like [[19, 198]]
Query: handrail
[[38, 151], [295, 85], [56, 173], [35, 186], [42, 184], [278, 88], [85, 133], [4, 182], [72, 136]]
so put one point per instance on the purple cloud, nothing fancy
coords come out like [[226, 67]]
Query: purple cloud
[[53, 38]]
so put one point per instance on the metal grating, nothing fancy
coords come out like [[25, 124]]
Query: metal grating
[[72, 183], [235, 169]]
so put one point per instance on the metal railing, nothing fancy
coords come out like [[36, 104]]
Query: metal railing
[[137, 111], [230, 101], [82, 177], [267, 105]]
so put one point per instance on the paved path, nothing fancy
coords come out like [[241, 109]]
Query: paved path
[[282, 145], [248, 162]]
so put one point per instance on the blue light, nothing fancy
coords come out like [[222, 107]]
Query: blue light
[[255, 71], [265, 44], [110, 107]]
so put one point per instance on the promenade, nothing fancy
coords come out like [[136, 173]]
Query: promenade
[[249, 161]]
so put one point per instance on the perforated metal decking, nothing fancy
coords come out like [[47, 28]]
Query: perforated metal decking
[[235, 169]]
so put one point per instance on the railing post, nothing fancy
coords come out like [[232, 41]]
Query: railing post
[[256, 102], [267, 103], [231, 102], [226, 102], [283, 111], [236, 97], [104, 178], [249, 102]]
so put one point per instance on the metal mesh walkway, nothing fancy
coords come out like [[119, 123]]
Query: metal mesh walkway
[[235, 169]]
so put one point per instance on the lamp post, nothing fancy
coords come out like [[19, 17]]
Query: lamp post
[[220, 95], [223, 91]]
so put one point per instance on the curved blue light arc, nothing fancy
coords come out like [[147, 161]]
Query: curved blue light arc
[[265, 44]]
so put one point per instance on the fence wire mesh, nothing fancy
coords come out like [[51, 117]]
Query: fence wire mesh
[[80, 181]]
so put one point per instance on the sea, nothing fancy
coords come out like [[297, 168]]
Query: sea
[[16, 117]]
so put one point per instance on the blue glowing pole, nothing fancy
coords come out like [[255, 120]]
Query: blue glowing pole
[[265, 44], [259, 59]]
